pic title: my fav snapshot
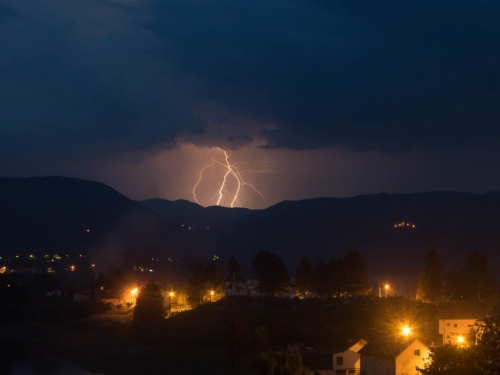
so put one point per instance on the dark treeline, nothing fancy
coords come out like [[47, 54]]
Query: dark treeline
[[475, 281], [337, 279], [27, 297]]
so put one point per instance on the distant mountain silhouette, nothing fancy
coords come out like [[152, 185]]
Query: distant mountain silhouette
[[53, 214], [183, 209], [67, 215], [455, 224]]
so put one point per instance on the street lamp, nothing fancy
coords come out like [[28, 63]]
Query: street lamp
[[406, 331], [171, 294], [386, 288], [211, 294]]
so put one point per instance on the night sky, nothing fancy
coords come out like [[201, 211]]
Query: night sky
[[328, 98]]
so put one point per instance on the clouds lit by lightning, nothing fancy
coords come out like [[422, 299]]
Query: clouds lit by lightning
[[230, 186]]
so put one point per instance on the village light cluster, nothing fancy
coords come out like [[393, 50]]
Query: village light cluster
[[404, 224]]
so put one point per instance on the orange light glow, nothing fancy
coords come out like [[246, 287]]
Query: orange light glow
[[406, 331], [134, 291]]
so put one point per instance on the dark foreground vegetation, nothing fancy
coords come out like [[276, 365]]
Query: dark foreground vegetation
[[233, 335]]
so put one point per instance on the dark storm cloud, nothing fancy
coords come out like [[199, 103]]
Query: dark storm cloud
[[388, 75], [106, 76], [73, 78]]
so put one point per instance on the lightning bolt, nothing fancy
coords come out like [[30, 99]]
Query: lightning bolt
[[231, 172]]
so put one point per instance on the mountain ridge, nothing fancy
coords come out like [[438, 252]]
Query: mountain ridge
[[53, 213]]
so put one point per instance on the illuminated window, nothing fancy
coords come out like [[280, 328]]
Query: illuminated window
[[416, 352], [340, 361]]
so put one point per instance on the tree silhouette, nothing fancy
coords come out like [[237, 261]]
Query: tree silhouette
[[303, 278], [355, 273], [271, 273], [150, 306], [203, 281], [430, 280], [335, 277], [476, 281], [320, 279]]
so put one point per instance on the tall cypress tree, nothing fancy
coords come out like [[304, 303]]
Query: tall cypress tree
[[430, 280]]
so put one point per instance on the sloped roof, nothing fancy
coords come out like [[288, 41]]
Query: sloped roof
[[385, 348], [357, 346], [462, 310]]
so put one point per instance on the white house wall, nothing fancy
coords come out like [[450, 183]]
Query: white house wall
[[351, 361], [450, 329], [407, 361]]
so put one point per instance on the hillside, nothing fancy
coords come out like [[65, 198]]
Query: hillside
[[455, 224], [67, 215], [182, 210], [53, 214]]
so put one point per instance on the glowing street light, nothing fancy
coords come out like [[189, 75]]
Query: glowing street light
[[211, 294], [134, 291], [460, 341], [171, 294], [406, 331], [386, 288]]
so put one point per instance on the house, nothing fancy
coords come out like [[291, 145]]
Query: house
[[400, 357], [457, 317], [347, 362]]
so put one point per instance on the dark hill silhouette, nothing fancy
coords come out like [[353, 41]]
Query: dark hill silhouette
[[455, 224], [53, 214], [182, 209]]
